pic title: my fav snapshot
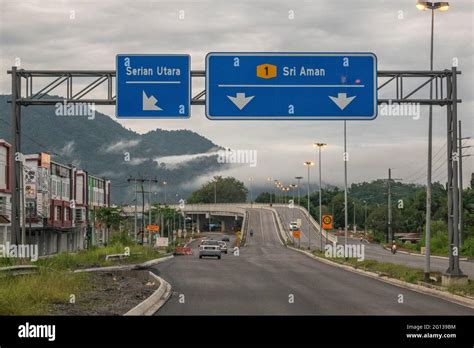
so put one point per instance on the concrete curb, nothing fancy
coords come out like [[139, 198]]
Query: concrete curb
[[461, 300], [423, 255], [156, 300], [139, 266]]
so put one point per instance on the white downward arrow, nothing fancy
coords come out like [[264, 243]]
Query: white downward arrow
[[342, 100], [240, 100], [149, 103]]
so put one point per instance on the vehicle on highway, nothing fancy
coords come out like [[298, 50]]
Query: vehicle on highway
[[294, 226], [223, 246], [209, 242], [210, 250]]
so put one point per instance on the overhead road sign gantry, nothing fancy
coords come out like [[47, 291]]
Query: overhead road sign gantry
[[291, 86], [153, 86]]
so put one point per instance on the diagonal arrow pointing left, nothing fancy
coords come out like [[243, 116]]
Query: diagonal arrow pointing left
[[149, 103]]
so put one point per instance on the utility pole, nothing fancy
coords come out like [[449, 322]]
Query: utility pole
[[141, 180], [16, 170], [389, 204], [461, 188]]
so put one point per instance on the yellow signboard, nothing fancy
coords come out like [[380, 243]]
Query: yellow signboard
[[327, 222], [154, 228], [266, 71], [297, 234]]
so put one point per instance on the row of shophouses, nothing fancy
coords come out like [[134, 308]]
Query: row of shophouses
[[59, 203]]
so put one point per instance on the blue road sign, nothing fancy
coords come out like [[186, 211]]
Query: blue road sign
[[153, 86], [291, 86]]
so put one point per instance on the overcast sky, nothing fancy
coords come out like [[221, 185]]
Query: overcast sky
[[89, 34]]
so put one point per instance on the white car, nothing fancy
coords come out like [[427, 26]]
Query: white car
[[210, 248], [294, 226]]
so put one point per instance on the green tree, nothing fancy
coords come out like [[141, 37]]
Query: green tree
[[229, 190]]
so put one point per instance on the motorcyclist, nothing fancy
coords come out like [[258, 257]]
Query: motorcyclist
[[394, 247], [251, 233]]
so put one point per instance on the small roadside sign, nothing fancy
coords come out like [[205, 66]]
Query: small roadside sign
[[297, 234], [327, 222], [154, 228]]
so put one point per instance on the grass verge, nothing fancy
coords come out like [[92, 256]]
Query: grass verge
[[33, 294]]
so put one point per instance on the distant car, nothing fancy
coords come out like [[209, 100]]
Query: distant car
[[211, 250], [209, 242], [226, 239], [223, 246], [293, 226]]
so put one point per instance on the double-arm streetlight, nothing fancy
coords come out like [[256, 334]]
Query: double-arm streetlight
[[423, 6], [298, 178], [319, 146], [309, 164], [269, 179]]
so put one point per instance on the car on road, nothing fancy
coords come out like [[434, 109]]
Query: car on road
[[294, 226], [226, 239], [209, 242], [223, 246], [210, 250]]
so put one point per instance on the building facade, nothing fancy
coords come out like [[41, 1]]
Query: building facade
[[5, 191]]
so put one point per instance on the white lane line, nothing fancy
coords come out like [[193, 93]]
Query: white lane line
[[261, 226]]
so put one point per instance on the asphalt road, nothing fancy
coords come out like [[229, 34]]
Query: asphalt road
[[373, 251], [268, 278]]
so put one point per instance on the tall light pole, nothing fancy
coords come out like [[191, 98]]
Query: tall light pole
[[442, 6], [251, 196], [164, 183], [319, 146], [354, 224], [365, 217], [298, 178], [269, 179], [215, 191], [274, 193], [309, 164]]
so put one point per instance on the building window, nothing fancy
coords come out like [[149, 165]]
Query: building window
[[66, 214], [57, 213]]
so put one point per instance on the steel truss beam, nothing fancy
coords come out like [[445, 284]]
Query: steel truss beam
[[104, 81]]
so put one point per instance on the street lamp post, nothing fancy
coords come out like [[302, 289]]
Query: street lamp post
[[354, 225], [309, 164], [269, 179], [251, 196], [365, 218], [442, 6], [164, 188], [298, 178], [319, 146], [215, 191]]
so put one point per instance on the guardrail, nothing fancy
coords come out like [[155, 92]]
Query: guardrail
[[18, 270]]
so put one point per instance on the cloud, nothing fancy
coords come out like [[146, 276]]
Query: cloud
[[121, 145], [396, 31]]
